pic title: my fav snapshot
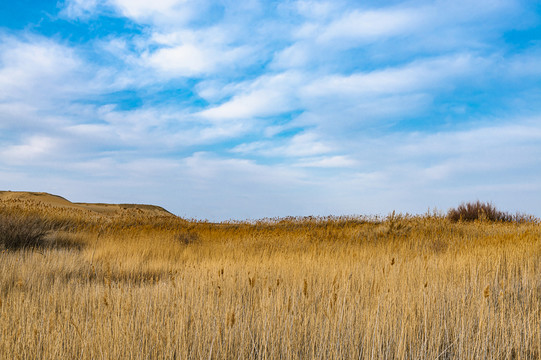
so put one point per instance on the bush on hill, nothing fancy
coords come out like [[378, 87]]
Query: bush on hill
[[478, 211]]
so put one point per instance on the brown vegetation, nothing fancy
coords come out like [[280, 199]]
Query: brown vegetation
[[140, 285], [478, 210], [21, 231]]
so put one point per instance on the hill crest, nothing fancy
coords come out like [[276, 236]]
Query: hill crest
[[61, 202]]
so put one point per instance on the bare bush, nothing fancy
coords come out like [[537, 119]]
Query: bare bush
[[478, 211], [18, 231]]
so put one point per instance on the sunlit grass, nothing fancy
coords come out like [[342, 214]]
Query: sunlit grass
[[139, 286]]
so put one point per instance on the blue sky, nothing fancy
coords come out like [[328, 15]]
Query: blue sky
[[247, 109]]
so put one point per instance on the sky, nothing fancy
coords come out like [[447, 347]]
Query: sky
[[230, 109]]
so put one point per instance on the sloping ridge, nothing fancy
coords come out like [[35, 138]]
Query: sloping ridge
[[59, 201]]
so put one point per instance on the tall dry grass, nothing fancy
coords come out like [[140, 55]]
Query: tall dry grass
[[403, 287]]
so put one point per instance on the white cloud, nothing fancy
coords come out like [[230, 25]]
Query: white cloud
[[294, 56], [36, 66], [406, 19], [374, 24], [262, 102], [80, 8], [17, 115], [183, 60], [387, 33], [193, 60], [266, 96], [182, 52], [482, 140], [155, 130], [338, 161], [215, 91], [416, 76], [33, 149], [485, 154], [142, 11], [300, 145], [305, 144]]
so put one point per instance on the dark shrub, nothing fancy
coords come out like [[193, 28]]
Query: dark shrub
[[18, 231], [478, 211], [187, 237]]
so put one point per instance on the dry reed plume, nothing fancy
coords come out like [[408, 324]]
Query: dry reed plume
[[141, 286]]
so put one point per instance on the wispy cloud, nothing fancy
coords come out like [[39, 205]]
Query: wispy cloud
[[265, 96], [36, 66], [300, 145]]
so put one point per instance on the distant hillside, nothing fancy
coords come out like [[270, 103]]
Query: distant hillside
[[60, 202]]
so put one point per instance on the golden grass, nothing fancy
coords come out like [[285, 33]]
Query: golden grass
[[146, 286]]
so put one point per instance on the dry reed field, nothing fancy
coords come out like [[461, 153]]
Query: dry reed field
[[138, 283]]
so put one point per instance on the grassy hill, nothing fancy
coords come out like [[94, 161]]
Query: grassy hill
[[41, 199]]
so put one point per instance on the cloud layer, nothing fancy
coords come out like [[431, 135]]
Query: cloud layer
[[255, 109]]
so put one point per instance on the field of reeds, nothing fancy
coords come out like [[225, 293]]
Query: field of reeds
[[134, 285]]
